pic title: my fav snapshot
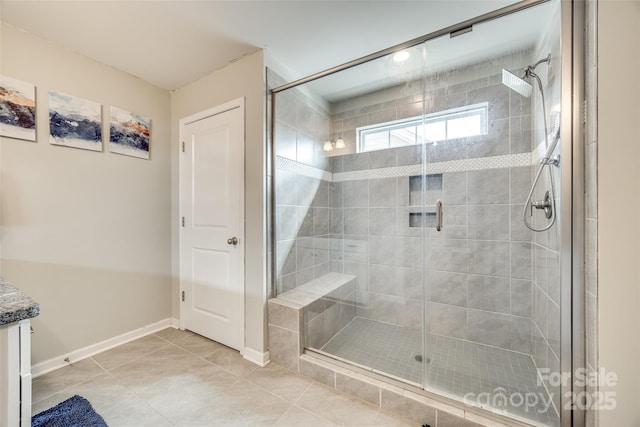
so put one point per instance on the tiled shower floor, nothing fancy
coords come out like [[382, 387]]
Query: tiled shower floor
[[455, 367]]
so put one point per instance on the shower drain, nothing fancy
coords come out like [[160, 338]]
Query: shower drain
[[418, 358]]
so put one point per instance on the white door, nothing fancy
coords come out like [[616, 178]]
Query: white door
[[212, 229]]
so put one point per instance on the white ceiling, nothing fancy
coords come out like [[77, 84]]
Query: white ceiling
[[174, 42]]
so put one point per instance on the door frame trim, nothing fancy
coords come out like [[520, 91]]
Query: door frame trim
[[182, 123]]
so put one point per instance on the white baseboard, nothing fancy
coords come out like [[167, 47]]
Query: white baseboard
[[254, 356], [83, 353]]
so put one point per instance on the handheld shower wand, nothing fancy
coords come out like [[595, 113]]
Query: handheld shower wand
[[524, 88], [549, 202]]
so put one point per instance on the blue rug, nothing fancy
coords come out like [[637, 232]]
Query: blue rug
[[73, 412]]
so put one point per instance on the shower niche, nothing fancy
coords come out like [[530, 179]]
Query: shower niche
[[424, 192], [479, 299]]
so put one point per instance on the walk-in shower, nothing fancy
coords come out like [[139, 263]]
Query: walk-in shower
[[405, 242]]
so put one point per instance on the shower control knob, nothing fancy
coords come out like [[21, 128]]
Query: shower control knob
[[544, 204]]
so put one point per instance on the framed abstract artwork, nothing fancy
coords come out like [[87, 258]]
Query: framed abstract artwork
[[17, 109], [75, 122], [129, 133]]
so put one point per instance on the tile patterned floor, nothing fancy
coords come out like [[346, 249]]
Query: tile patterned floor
[[177, 378], [455, 367]]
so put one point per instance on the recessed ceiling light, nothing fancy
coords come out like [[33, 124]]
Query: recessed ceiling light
[[403, 55]]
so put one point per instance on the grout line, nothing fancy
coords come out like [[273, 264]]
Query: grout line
[[64, 389], [314, 414], [195, 354], [98, 363], [137, 397], [266, 390], [312, 382]]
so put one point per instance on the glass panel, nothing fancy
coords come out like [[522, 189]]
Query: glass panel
[[470, 312], [452, 123], [435, 131], [492, 284], [376, 141], [403, 136], [464, 126], [367, 299]]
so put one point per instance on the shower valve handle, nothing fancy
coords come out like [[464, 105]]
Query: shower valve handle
[[543, 204]]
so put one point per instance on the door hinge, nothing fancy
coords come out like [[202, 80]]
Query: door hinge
[[182, 296], [183, 221], [183, 146]]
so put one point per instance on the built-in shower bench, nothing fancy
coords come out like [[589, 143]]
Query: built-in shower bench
[[330, 285], [316, 310]]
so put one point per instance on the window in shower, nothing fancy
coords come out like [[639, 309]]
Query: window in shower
[[470, 120]]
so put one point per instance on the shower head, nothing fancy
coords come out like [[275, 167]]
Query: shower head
[[516, 83]]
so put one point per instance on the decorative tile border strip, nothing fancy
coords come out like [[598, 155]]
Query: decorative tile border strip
[[480, 163], [282, 163]]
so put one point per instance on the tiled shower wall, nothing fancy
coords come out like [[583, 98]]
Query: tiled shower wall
[[301, 188], [479, 268]]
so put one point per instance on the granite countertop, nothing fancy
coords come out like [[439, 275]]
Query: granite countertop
[[15, 305]]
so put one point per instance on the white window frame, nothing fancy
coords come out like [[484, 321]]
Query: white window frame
[[440, 116]]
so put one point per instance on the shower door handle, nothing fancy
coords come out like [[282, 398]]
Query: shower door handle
[[439, 215]]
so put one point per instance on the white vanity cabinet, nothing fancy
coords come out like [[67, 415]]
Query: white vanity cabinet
[[15, 355], [15, 374]]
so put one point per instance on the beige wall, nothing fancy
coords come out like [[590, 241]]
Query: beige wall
[[91, 236], [619, 206], [86, 234], [243, 78]]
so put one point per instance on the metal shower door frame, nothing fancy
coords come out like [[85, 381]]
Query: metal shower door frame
[[572, 215]]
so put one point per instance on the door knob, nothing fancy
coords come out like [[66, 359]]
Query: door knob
[[232, 241]]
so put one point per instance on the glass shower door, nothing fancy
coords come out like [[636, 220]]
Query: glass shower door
[[491, 283]]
